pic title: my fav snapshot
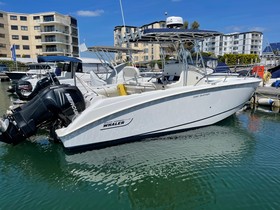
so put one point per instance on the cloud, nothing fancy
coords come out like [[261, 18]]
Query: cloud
[[87, 13], [243, 29], [235, 28], [257, 29]]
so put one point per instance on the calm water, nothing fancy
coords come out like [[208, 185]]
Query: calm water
[[234, 164]]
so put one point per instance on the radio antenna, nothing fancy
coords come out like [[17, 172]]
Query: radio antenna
[[122, 13]]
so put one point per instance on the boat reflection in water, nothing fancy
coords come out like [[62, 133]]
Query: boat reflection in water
[[179, 170]]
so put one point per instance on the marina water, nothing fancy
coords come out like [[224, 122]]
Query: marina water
[[233, 164]]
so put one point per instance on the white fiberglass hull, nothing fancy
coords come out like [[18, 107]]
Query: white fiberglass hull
[[129, 118]]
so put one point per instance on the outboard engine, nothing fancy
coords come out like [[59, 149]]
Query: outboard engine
[[25, 85], [62, 102]]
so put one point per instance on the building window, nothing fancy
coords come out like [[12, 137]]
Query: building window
[[51, 48], [15, 37], [37, 28], [48, 18], [49, 28], [74, 22], [24, 28], [2, 45], [39, 47], [13, 27], [1, 15], [51, 38], [3, 55], [36, 17], [25, 47], [13, 17], [2, 35], [17, 47], [25, 38], [37, 37], [23, 18]]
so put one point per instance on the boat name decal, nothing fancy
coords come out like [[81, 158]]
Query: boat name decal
[[73, 106], [116, 123], [201, 95]]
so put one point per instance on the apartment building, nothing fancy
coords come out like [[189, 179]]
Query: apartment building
[[148, 51], [234, 43], [4, 35], [44, 34]]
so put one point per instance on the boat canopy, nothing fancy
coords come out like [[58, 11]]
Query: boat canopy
[[113, 49], [58, 59], [170, 35]]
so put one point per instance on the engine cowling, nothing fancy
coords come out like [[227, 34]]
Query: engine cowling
[[24, 85], [62, 102]]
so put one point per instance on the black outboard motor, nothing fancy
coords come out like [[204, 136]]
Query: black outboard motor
[[23, 85], [62, 102]]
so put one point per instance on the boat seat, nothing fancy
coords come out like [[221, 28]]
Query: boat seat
[[131, 73], [171, 73], [133, 79]]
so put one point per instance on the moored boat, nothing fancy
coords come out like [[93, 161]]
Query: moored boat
[[184, 96]]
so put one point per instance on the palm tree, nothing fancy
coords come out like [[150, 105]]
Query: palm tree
[[195, 25], [186, 25]]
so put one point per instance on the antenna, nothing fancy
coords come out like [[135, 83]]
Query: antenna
[[122, 13], [130, 56]]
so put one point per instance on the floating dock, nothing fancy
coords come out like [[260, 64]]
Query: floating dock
[[267, 96]]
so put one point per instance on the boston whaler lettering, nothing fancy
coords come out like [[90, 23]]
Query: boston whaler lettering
[[184, 96]]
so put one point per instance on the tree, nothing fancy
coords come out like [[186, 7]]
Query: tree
[[195, 25], [186, 25], [189, 45]]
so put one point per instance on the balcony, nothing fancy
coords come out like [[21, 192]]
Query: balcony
[[56, 50], [55, 41], [54, 21], [54, 31]]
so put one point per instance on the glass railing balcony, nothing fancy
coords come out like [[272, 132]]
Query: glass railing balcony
[[57, 21], [56, 40], [54, 49], [53, 30]]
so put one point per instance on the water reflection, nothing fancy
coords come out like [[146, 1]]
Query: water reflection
[[5, 97], [175, 170]]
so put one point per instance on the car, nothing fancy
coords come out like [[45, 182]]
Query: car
[[3, 68]]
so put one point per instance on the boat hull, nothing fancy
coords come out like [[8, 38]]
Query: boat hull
[[16, 75], [130, 118]]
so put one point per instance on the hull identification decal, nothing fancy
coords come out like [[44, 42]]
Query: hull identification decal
[[116, 123]]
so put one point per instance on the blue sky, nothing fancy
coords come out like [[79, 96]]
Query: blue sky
[[97, 18]]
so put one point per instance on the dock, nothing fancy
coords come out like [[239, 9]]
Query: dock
[[266, 96], [4, 77]]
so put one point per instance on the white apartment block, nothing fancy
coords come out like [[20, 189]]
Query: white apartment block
[[234, 43], [44, 34]]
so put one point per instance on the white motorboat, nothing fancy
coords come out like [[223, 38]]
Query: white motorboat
[[184, 97], [33, 69], [74, 71]]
